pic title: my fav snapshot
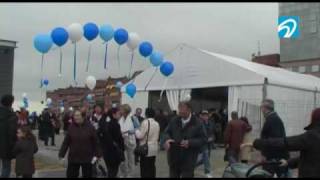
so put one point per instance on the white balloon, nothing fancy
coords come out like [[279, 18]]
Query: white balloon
[[24, 95], [61, 109], [91, 82], [70, 108], [49, 101], [187, 98], [133, 41], [75, 32]]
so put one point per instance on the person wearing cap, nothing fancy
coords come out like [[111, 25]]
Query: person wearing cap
[[206, 149], [308, 163], [273, 128]]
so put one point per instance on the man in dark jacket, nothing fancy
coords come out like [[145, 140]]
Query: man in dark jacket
[[8, 129], [184, 138], [273, 128], [234, 134], [307, 143]]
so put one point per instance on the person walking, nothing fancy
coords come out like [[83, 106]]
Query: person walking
[[184, 138], [206, 149], [148, 134], [67, 121], [96, 116], [234, 134], [82, 142], [273, 128], [24, 151], [307, 143], [8, 129], [111, 141], [128, 126], [48, 127]]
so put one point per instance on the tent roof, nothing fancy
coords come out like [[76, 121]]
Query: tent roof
[[197, 68]]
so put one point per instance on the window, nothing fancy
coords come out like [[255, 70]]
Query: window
[[313, 26], [308, 69], [302, 69], [295, 69], [315, 68]]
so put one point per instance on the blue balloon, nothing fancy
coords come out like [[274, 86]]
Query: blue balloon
[[167, 68], [106, 32], [25, 99], [156, 59], [59, 36], [46, 82], [89, 97], [131, 90], [121, 36], [145, 49], [91, 31], [42, 43]]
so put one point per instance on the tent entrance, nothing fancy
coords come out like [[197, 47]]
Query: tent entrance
[[203, 98]]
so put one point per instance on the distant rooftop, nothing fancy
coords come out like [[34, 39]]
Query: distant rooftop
[[8, 43]]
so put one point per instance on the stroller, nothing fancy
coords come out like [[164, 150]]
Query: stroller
[[99, 171], [241, 170]]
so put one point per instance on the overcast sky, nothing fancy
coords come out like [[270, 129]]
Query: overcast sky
[[228, 28]]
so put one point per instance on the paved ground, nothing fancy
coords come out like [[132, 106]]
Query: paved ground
[[48, 165]]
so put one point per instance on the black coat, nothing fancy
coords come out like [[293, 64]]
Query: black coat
[[8, 129], [307, 143], [194, 132], [82, 143], [273, 128], [24, 151], [111, 141]]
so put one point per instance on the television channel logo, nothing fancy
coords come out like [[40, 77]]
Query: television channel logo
[[288, 26]]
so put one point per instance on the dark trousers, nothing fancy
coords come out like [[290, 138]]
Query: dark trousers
[[27, 176], [281, 172], [46, 141], [148, 167], [177, 172], [112, 168], [74, 169], [57, 131]]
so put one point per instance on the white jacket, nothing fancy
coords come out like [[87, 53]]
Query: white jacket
[[153, 143]]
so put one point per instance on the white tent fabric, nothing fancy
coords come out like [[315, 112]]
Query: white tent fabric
[[197, 68], [176, 96]]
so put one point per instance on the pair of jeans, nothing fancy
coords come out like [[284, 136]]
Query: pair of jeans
[[5, 168], [205, 160]]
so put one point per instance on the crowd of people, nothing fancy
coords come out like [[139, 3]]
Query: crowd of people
[[123, 139]]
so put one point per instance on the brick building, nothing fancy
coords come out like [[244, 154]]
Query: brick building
[[104, 92], [269, 59]]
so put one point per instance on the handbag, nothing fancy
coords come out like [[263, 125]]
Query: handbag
[[142, 150]]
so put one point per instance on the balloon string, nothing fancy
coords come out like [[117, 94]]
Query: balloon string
[[132, 55], [118, 57], [75, 62], [88, 60], [105, 56], [60, 71], [41, 84], [154, 73], [162, 90]]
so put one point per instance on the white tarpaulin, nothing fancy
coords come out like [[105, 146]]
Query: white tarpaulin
[[197, 68]]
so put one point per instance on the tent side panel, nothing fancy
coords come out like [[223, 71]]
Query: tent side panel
[[293, 106], [140, 100]]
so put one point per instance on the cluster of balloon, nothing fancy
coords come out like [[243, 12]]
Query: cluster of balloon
[[25, 102], [106, 34], [75, 31], [91, 31], [156, 59], [120, 37], [91, 82], [42, 44], [44, 82], [60, 36]]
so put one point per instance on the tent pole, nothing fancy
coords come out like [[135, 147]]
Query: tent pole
[[315, 98], [264, 89]]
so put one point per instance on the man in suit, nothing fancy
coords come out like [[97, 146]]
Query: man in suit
[[183, 139]]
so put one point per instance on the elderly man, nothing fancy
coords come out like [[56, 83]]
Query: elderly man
[[184, 138]]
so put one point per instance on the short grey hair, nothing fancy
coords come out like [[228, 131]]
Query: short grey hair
[[234, 115], [269, 104], [126, 108]]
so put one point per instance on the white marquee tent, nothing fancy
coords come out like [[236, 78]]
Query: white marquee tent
[[295, 95]]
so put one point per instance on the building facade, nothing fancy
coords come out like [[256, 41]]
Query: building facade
[[6, 66], [303, 53]]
